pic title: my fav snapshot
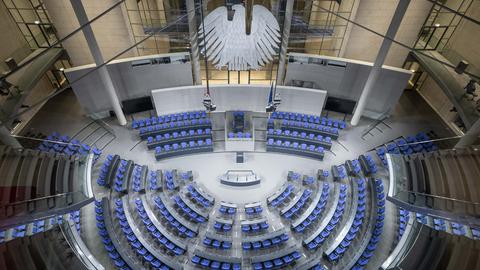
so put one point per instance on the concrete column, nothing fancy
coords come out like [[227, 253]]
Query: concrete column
[[97, 56], [382, 54], [193, 32], [470, 137], [286, 34], [7, 138]]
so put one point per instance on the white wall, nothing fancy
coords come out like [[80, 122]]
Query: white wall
[[238, 97], [347, 82], [130, 82], [376, 15], [111, 30]]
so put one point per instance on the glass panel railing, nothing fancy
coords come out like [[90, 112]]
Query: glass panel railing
[[460, 211], [77, 245], [23, 212]]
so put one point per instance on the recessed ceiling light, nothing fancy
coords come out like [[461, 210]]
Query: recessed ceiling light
[[437, 25], [37, 22]]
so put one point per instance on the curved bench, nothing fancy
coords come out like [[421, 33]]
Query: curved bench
[[177, 223], [159, 129], [200, 196], [310, 139], [349, 231], [282, 194], [175, 137], [296, 204], [240, 178], [171, 263], [295, 149], [156, 230], [254, 225], [174, 117], [375, 229], [222, 225], [325, 229], [314, 211], [264, 241], [216, 261], [217, 241], [228, 208], [193, 212], [281, 258], [192, 147], [112, 244]]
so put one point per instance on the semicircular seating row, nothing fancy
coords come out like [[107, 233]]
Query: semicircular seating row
[[176, 134], [166, 210]]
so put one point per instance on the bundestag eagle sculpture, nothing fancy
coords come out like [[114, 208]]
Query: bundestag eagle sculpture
[[228, 43]]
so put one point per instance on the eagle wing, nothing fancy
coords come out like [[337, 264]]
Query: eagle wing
[[265, 34], [229, 45]]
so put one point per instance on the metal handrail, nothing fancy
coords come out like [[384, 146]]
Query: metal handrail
[[77, 245], [38, 199]]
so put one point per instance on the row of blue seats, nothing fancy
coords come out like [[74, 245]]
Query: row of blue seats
[[227, 210], [68, 146], [355, 226], [169, 180], [187, 211], [308, 180], [341, 171], [197, 197], [168, 118], [294, 176], [180, 228], [377, 232], [213, 264], [102, 177], [187, 124], [255, 227], [337, 216], [309, 118], [182, 146], [162, 239], [136, 245], [40, 226], [222, 227], [106, 240], [316, 212], [296, 145], [137, 178], [404, 216], [406, 146], [152, 180], [177, 135], [371, 164], [298, 205], [283, 196], [253, 210], [440, 225], [214, 243], [302, 135], [120, 175], [316, 128], [246, 135], [278, 262], [356, 166], [266, 243]]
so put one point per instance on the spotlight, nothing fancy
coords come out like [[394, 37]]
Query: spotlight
[[208, 104]]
